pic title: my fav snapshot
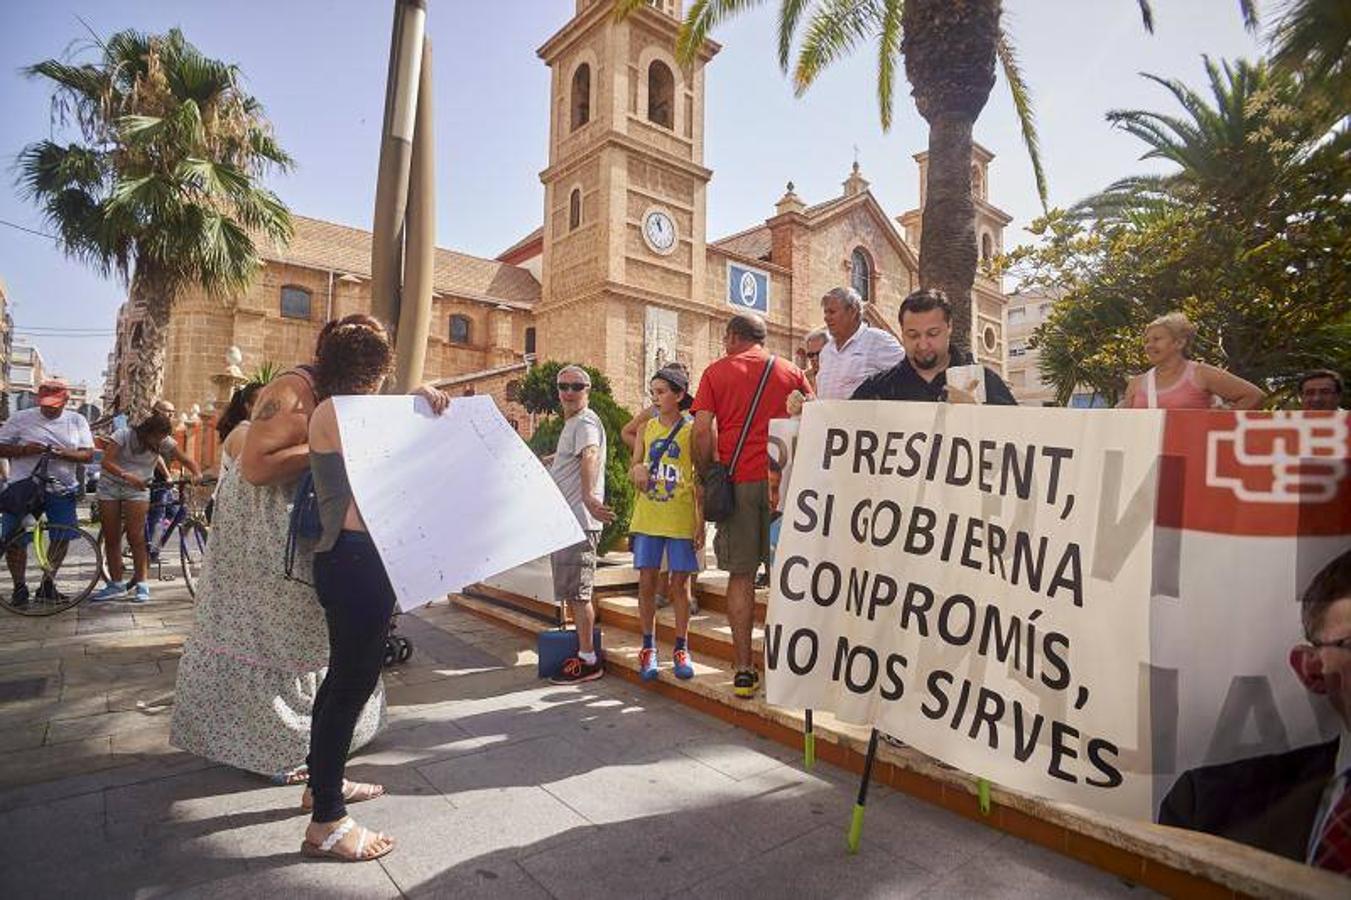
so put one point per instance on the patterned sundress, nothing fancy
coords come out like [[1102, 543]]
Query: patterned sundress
[[259, 649]]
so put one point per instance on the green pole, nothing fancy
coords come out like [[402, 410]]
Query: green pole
[[983, 795], [856, 820], [808, 743]]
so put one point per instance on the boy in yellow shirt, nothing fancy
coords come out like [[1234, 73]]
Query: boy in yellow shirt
[[667, 517]]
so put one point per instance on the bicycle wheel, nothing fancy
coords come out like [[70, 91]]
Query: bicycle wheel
[[62, 567], [192, 551]]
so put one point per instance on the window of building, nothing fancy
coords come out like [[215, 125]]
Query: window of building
[[513, 390], [986, 248], [459, 329], [660, 94], [21, 375], [990, 338], [1017, 348], [295, 302], [530, 340], [977, 183], [861, 274], [581, 96], [574, 209], [1017, 315]]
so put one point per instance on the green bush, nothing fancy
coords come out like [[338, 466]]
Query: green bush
[[619, 493]]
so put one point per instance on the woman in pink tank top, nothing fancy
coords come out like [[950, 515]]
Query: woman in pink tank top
[[1176, 382]]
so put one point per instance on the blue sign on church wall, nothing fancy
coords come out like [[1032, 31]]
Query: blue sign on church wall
[[747, 288]]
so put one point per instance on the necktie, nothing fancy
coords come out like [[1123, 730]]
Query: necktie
[[1333, 851]]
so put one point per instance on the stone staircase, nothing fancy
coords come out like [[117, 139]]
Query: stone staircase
[[1176, 863]]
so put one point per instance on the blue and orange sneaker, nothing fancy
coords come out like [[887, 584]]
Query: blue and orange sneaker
[[647, 663], [683, 667]]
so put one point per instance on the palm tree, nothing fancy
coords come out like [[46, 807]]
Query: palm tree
[[162, 188], [1313, 38], [949, 50], [1239, 153]]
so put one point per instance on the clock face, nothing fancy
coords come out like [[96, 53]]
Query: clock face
[[659, 231]]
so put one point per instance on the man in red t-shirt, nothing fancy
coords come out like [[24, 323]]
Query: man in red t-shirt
[[726, 390]]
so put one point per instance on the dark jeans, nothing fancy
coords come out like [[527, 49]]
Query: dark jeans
[[358, 602]]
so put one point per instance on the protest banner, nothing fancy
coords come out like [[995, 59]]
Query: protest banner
[[448, 499], [1078, 604]]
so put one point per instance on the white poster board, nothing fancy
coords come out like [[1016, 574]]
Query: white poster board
[[449, 499]]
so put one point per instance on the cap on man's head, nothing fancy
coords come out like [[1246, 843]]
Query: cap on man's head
[[53, 392]]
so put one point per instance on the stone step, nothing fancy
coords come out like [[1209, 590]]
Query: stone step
[[709, 633]]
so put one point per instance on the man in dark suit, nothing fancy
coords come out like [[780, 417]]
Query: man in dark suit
[[1296, 804]]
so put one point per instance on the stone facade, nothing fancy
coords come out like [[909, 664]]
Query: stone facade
[[621, 274]]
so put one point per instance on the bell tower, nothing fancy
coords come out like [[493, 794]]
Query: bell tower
[[624, 254]]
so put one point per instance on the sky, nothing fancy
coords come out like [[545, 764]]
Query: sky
[[319, 70]]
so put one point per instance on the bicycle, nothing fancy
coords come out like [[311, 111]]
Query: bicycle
[[179, 513], [63, 562]]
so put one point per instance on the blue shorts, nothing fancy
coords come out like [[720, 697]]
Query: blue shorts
[[648, 550], [60, 510]]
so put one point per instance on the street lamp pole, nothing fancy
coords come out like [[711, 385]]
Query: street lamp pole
[[396, 152]]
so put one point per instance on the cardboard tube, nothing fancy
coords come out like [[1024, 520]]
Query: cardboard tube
[[415, 306]]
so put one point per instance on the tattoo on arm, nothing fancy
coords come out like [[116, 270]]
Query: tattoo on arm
[[267, 410]]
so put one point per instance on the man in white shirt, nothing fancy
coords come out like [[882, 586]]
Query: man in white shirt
[[23, 439], [855, 350]]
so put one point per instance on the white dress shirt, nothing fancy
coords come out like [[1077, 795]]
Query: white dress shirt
[[867, 351]]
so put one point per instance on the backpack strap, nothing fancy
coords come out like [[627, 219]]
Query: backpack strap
[[670, 436], [750, 416]]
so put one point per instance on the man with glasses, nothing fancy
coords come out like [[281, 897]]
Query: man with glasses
[[809, 354], [578, 468], [1320, 389], [1297, 803]]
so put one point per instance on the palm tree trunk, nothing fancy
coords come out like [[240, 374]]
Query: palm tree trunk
[[147, 372], [949, 52], [947, 243]]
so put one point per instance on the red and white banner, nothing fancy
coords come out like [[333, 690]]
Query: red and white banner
[[1080, 604]]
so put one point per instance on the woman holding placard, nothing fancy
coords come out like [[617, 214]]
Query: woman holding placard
[[355, 593], [1176, 382]]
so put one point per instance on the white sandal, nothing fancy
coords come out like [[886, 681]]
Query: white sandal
[[325, 850]]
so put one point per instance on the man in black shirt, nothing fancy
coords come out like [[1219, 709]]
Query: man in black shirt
[[926, 334]]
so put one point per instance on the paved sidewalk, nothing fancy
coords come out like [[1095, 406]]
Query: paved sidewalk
[[500, 786]]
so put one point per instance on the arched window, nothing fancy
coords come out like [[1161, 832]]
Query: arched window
[[574, 209], [861, 274], [513, 390], [295, 302], [581, 96], [459, 329], [986, 248], [660, 94], [530, 340]]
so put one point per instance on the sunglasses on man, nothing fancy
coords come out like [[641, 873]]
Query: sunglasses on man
[[575, 387]]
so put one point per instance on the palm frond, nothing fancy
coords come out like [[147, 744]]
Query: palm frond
[[888, 60], [1146, 15], [1022, 105], [835, 30], [1313, 37], [790, 14], [700, 21]]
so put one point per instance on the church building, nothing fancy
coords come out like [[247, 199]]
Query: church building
[[621, 275]]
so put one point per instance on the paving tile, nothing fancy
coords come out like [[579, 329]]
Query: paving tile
[[58, 761], [488, 776], [76, 729], [642, 857], [661, 784], [816, 865], [926, 834], [492, 876], [22, 737], [1016, 868], [434, 839]]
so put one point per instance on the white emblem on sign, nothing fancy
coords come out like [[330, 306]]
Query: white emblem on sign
[[749, 289], [1304, 456]]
